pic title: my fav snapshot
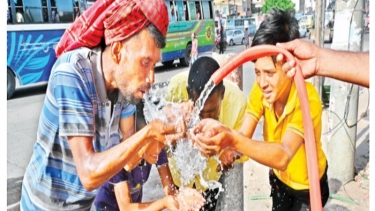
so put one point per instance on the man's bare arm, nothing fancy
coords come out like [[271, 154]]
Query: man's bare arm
[[352, 67]]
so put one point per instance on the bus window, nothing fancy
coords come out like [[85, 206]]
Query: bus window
[[44, 11], [180, 11], [172, 12], [9, 14], [238, 23], [19, 12], [186, 11], [62, 11], [206, 10], [168, 5], [198, 10], [192, 11], [84, 5], [32, 11], [45, 15], [77, 11]]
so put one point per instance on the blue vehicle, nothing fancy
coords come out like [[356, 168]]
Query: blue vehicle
[[241, 23], [187, 17], [33, 30]]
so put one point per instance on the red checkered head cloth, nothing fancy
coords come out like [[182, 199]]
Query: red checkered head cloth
[[113, 20]]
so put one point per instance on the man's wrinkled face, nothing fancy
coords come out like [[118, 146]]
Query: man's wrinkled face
[[134, 73], [212, 106], [271, 79]]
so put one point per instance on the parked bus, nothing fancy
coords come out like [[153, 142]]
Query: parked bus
[[33, 30], [187, 17], [239, 23]]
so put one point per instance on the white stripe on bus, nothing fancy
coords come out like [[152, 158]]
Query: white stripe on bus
[[37, 27]]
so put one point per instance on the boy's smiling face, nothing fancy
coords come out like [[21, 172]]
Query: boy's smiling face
[[271, 79]]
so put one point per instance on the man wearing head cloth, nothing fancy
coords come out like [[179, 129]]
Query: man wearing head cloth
[[105, 65]]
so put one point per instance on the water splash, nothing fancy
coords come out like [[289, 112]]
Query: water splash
[[154, 103], [189, 161], [199, 103]]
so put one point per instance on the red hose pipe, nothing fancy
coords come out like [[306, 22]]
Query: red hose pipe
[[310, 147]]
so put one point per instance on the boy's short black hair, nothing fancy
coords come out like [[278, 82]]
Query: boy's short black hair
[[278, 26], [200, 73]]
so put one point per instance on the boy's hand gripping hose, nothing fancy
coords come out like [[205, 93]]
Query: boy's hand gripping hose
[[312, 161]]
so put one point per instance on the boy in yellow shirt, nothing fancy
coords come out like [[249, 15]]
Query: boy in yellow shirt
[[274, 97], [226, 103]]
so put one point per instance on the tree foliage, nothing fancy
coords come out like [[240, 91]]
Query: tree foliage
[[279, 4]]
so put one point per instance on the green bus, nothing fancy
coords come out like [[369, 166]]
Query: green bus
[[187, 17]]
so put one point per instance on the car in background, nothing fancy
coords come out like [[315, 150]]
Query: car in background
[[308, 21], [302, 31], [235, 36]]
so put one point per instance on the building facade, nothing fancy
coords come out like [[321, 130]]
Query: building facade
[[233, 8], [242, 8]]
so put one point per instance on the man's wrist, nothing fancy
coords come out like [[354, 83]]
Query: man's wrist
[[150, 134], [165, 201], [321, 55]]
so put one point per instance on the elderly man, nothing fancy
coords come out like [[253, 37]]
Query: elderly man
[[105, 64]]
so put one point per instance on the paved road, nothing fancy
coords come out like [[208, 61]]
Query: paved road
[[23, 111]]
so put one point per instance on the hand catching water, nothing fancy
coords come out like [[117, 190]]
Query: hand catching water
[[175, 112], [166, 132], [190, 199], [167, 121], [211, 137], [227, 159]]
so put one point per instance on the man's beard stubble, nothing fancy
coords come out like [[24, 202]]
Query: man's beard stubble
[[130, 98]]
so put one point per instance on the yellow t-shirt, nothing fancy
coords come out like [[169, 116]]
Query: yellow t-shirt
[[232, 112], [295, 176]]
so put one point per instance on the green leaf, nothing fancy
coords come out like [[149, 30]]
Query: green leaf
[[278, 4]]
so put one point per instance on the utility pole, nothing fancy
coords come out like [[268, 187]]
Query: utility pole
[[301, 6], [319, 39], [348, 36], [228, 9]]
